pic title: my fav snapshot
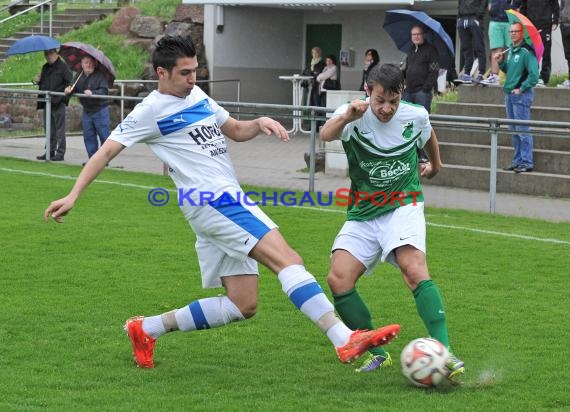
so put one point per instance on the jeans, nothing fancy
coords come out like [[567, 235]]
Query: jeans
[[95, 125], [518, 108], [420, 97]]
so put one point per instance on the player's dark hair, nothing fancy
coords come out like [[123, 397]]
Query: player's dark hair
[[388, 75], [169, 49]]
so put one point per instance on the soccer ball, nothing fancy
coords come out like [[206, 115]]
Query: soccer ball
[[423, 362]]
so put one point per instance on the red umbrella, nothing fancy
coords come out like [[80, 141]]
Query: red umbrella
[[72, 52], [531, 34]]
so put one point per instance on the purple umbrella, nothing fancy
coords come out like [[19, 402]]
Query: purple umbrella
[[72, 52]]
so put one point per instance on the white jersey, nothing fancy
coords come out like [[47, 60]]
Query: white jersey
[[185, 134]]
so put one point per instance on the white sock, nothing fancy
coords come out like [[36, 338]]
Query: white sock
[[201, 314], [303, 290], [339, 334]]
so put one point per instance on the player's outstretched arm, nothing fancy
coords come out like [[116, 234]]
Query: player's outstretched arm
[[244, 130], [333, 127], [59, 208]]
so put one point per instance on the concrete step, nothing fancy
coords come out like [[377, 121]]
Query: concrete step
[[477, 178], [504, 139], [543, 96], [545, 161], [543, 113]]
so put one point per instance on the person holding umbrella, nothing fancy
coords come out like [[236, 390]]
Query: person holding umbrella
[[521, 68], [95, 118], [54, 77]]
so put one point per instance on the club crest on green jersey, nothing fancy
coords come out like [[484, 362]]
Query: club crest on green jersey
[[408, 130]]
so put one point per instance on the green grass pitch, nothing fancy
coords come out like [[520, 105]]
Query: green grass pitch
[[67, 289]]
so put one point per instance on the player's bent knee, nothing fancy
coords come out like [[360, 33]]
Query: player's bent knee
[[338, 284], [248, 311]]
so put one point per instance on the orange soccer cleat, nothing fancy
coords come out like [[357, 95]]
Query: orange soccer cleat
[[362, 340], [143, 344]]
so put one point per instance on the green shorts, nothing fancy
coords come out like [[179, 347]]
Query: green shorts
[[499, 35]]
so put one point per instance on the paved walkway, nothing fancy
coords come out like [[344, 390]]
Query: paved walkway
[[265, 161]]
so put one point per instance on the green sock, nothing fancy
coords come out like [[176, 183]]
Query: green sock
[[355, 314], [430, 308]]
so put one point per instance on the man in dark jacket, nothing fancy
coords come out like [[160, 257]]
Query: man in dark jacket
[[470, 15], [544, 14], [421, 71], [54, 77], [95, 118]]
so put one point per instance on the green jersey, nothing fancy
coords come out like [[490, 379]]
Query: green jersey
[[382, 160]]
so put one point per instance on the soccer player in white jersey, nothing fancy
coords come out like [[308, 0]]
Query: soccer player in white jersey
[[385, 218], [187, 130]]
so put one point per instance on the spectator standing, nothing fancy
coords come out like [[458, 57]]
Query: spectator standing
[[521, 69], [328, 79], [470, 14], [95, 119], [314, 68], [421, 70], [565, 32], [544, 14], [499, 38], [371, 59], [54, 77]]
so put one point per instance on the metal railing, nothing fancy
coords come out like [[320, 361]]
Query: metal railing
[[41, 6], [313, 114]]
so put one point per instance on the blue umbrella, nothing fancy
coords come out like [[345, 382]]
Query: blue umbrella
[[398, 24], [31, 44]]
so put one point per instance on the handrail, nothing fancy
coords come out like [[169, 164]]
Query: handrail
[[41, 5], [490, 125]]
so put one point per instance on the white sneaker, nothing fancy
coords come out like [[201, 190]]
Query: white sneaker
[[540, 83], [566, 83], [491, 79]]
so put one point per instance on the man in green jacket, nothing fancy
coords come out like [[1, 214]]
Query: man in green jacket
[[521, 68]]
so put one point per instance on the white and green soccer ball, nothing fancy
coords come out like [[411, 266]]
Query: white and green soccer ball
[[423, 362]]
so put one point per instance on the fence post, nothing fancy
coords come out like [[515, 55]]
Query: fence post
[[494, 125], [312, 153], [47, 115]]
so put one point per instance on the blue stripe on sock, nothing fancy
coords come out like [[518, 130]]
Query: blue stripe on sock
[[304, 293], [242, 217], [198, 316]]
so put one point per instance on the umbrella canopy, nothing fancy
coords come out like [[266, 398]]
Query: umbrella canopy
[[531, 34], [31, 44], [72, 52], [398, 24]]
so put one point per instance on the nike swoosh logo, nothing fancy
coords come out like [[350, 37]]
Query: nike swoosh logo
[[406, 237], [441, 311]]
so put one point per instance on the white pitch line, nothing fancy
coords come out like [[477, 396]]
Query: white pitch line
[[319, 209]]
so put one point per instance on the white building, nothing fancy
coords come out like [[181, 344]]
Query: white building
[[257, 41]]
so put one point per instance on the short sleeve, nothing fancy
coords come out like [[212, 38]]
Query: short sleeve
[[139, 126], [425, 128]]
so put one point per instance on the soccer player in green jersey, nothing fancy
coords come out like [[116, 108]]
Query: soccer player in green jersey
[[385, 219]]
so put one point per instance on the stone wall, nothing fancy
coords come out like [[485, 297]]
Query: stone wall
[[19, 111]]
